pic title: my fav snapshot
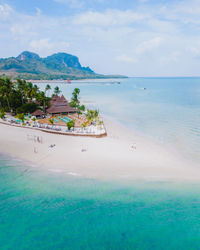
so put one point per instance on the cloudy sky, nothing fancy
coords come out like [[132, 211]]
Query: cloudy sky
[[130, 37]]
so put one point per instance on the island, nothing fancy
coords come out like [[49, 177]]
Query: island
[[59, 66]]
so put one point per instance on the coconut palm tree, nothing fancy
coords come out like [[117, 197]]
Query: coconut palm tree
[[22, 89], [29, 90], [75, 95], [57, 91], [47, 88], [42, 99], [6, 89], [81, 108], [92, 114]]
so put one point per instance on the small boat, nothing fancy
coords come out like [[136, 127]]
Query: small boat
[[68, 81]]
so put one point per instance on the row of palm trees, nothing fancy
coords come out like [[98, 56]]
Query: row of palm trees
[[16, 94]]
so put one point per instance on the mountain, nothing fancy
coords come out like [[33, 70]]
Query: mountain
[[29, 65]]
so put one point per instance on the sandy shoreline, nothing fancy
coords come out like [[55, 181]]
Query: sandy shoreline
[[108, 158]]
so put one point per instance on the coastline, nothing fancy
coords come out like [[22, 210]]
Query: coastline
[[122, 155], [95, 135]]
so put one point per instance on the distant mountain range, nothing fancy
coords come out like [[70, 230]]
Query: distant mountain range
[[29, 65]]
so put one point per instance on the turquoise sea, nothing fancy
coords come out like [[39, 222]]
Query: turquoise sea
[[167, 111], [48, 210]]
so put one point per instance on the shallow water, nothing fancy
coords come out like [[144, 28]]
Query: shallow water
[[167, 111], [45, 210], [52, 210]]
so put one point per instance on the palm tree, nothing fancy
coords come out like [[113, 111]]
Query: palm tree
[[35, 91], [92, 114], [29, 90], [75, 101], [42, 99], [75, 94], [76, 91], [47, 88], [57, 91], [6, 88], [80, 109], [22, 88]]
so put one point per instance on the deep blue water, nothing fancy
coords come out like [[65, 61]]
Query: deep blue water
[[46, 210]]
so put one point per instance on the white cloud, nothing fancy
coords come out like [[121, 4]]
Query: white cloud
[[149, 45], [5, 11], [22, 31], [108, 18], [41, 44], [125, 59], [185, 12], [46, 47]]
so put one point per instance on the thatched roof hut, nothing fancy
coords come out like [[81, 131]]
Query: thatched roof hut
[[38, 113], [59, 105]]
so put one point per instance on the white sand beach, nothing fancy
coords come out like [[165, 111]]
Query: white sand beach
[[121, 155]]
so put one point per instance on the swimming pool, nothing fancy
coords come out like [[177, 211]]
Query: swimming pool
[[67, 118], [64, 119], [55, 120]]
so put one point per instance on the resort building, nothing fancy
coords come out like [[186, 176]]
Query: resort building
[[59, 105], [38, 113]]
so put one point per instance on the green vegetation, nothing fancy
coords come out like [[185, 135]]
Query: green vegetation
[[51, 120], [47, 88], [29, 65], [100, 123], [84, 125], [57, 66], [57, 91], [21, 117], [34, 119], [21, 96], [70, 124], [75, 102], [27, 108], [92, 115], [2, 114]]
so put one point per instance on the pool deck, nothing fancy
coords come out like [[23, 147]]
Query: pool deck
[[78, 120], [99, 133]]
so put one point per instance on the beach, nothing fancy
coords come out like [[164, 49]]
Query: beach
[[136, 188], [122, 155]]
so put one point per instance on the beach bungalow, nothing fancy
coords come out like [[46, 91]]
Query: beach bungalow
[[38, 113], [60, 106]]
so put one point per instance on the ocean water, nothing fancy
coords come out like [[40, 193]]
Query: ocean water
[[47, 210], [168, 110]]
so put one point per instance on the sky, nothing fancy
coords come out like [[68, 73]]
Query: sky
[[127, 37]]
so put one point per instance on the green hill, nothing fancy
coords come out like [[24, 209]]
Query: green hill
[[29, 65]]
